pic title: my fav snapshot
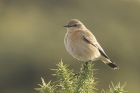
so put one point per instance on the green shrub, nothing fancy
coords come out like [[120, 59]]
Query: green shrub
[[81, 82]]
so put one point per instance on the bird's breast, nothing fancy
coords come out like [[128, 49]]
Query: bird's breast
[[78, 48]]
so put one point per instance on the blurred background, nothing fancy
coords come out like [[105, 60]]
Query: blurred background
[[32, 33]]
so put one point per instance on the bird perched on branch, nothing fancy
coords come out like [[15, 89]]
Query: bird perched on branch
[[82, 44]]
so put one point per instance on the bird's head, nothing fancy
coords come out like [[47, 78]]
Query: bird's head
[[75, 24]]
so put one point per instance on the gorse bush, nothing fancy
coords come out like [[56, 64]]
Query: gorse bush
[[70, 82]]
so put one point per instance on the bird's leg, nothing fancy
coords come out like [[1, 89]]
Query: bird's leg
[[86, 64]]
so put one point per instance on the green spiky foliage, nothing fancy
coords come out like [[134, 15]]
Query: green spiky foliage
[[70, 82]]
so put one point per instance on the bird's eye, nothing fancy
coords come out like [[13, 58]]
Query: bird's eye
[[75, 25]]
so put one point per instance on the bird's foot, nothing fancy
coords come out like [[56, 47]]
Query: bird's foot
[[86, 64]]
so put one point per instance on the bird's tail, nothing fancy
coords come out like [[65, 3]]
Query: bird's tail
[[111, 64]]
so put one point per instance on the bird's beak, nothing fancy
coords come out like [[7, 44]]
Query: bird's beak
[[66, 25]]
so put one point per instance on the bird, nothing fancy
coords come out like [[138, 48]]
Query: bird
[[83, 45]]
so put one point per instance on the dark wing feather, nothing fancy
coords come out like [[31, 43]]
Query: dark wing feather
[[88, 40]]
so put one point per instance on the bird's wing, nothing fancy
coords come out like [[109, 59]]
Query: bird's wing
[[90, 38]]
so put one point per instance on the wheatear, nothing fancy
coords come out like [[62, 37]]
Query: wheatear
[[82, 44]]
